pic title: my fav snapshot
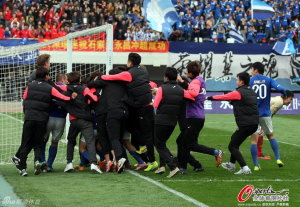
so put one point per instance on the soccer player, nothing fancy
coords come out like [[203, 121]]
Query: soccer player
[[195, 115], [117, 113], [55, 125], [168, 101], [132, 151], [182, 123], [276, 104], [37, 98], [245, 111], [262, 87], [141, 112], [84, 154], [42, 62], [81, 121]]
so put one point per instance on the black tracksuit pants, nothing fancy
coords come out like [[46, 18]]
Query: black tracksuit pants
[[86, 129], [32, 138], [102, 133], [182, 122], [115, 127], [190, 140], [237, 138], [162, 134], [141, 122]]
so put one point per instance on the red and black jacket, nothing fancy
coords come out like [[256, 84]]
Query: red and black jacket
[[37, 98]]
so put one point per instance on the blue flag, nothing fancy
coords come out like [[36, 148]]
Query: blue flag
[[261, 10], [161, 15], [236, 35], [234, 32], [285, 48]]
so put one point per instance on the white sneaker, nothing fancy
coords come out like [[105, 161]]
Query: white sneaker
[[121, 163], [95, 168], [23, 173], [173, 172], [160, 170], [244, 171], [228, 166], [69, 167]]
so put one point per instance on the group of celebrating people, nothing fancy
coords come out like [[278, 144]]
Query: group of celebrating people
[[125, 111]]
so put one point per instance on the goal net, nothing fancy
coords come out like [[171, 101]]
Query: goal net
[[85, 51]]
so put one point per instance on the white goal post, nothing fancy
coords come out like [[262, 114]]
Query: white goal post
[[15, 68]]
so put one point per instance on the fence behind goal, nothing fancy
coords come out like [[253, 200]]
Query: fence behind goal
[[67, 54]]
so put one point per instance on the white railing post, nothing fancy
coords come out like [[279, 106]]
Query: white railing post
[[109, 48]]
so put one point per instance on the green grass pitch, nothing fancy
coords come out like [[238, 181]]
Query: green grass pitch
[[213, 187]]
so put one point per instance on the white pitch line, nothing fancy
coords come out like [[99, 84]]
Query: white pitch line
[[162, 186], [11, 117], [20, 121], [229, 181], [297, 145]]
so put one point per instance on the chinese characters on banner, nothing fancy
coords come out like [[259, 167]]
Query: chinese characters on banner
[[119, 46]]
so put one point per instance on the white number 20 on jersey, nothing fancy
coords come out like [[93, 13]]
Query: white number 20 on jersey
[[260, 90]]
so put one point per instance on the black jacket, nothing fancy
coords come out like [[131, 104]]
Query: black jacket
[[37, 103], [169, 108], [139, 90], [246, 110], [114, 94], [79, 107]]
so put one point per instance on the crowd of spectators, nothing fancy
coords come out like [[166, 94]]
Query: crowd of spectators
[[212, 19], [200, 20]]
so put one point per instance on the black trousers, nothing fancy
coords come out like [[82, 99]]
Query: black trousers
[[162, 134], [86, 129], [182, 122], [102, 133], [190, 140], [32, 138], [141, 121], [237, 138], [115, 127]]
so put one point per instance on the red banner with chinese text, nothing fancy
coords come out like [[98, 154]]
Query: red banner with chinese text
[[119, 46]]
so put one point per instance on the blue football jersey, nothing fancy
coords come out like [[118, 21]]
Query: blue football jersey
[[57, 111], [262, 87]]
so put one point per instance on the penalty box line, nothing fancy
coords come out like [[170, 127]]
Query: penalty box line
[[20, 121], [166, 188]]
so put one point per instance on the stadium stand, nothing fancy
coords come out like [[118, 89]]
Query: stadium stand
[[200, 19]]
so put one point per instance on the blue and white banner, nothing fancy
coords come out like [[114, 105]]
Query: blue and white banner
[[261, 10], [16, 58], [284, 48], [236, 35], [161, 15], [222, 62], [233, 31]]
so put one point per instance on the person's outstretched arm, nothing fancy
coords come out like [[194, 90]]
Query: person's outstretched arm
[[234, 95], [123, 76]]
